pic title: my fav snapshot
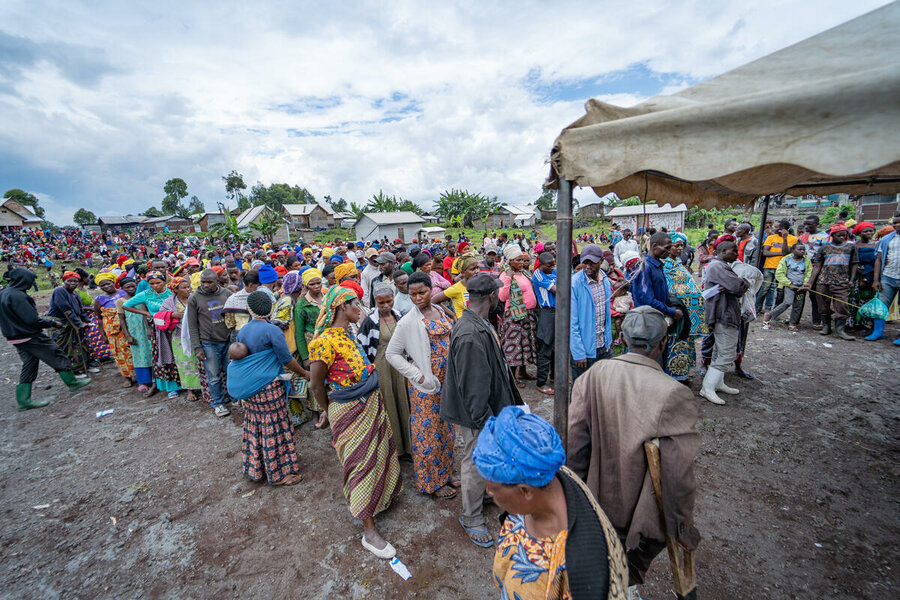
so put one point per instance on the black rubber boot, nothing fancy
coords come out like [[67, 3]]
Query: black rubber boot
[[840, 329]]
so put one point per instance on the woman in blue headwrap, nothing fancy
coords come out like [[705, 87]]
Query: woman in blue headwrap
[[540, 553], [685, 294]]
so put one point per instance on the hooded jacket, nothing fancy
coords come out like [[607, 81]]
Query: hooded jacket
[[19, 318]]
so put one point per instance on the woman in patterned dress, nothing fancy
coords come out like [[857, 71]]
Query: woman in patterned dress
[[423, 335], [346, 387], [517, 331], [682, 352], [135, 328], [93, 334], [259, 357], [187, 364], [165, 373], [306, 312], [113, 334], [538, 556]]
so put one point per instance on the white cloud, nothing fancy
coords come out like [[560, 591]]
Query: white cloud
[[193, 90]]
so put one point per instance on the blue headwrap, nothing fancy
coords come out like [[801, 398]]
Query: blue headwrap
[[336, 258], [267, 274], [516, 447], [677, 236]]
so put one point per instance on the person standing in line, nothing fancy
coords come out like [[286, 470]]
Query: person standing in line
[[165, 373], [591, 319], [375, 333], [626, 244], [886, 277], [617, 406], [544, 280], [187, 364], [834, 269], [346, 387], [23, 328], [479, 383], [793, 275], [723, 317], [776, 247], [115, 336], [210, 336], [423, 335], [517, 330]]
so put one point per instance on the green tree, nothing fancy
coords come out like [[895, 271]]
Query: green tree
[[195, 207], [382, 203], [26, 199], [357, 209], [84, 217], [229, 227], [467, 206], [153, 212], [268, 224], [176, 191], [547, 199], [339, 205], [234, 183]]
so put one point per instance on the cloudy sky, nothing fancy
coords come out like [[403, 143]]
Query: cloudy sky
[[102, 102]]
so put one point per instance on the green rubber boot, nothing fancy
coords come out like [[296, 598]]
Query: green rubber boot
[[74, 384], [23, 397]]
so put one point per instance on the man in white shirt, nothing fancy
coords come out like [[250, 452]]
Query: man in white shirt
[[368, 274], [626, 244]]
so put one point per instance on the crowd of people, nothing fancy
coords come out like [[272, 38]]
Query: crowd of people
[[414, 352]]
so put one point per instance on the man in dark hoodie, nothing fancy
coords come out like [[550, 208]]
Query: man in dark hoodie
[[210, 335], [23, 328]]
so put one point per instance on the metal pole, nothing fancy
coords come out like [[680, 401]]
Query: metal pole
[[762, 232], [563, 307]]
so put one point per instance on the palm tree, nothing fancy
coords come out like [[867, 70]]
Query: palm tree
[[228, 228]]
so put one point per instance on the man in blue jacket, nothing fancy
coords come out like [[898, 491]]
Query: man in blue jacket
[[591, 319], [886, 280], [650, 287]]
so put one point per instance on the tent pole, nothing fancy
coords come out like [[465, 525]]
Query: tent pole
[[563, 307], [762, 231]]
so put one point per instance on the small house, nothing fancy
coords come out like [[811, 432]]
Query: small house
[[14, 215], [391, 225], [117, 225], [309, 216], [209, 219], [512, 215], [648, 215]]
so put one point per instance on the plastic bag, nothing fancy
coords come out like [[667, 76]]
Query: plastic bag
[[874, 309]]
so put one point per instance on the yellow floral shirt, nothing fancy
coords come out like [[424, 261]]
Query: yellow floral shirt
[[345, 359]]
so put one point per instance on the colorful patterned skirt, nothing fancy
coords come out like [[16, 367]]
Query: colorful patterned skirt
[[518, 341], [432, 441], [166, 375], [94, 338], [188, 373], [118, 344], [364, 444], [268, 444]]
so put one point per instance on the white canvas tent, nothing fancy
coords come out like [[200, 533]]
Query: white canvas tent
[[819, 117]]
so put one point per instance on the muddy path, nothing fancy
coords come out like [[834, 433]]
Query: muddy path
[[798, 495]]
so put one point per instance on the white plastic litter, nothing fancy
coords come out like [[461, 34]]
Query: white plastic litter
[[827, 345], [400, 569], [103, 413]]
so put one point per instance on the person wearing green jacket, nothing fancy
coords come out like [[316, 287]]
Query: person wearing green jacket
[[792, 275]]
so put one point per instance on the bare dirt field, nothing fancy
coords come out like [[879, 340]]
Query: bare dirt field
[[798, 495]]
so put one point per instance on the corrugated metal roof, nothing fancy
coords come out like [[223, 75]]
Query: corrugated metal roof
[[394, 218], [126, 220]]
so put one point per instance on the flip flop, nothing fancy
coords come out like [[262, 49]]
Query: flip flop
[[480, 530], [547, 390], [289, 480], [445, 496]]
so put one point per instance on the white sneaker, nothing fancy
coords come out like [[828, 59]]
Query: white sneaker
[[81, 376], [222, 411], [93, 370]]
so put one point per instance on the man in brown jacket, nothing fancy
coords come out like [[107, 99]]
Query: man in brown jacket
[[619, 404]]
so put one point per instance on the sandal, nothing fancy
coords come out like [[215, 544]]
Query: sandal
[[546, 390], [520, 383], [481, 530], [449, 494], [292, 479], [455, 482], [173, 395]]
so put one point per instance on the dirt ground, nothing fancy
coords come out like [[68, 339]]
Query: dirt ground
[[798, 495]]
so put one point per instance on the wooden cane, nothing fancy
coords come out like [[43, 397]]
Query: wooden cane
[[682, 563]]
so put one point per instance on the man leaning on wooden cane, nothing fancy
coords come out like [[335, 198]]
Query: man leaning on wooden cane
[[619, 404]]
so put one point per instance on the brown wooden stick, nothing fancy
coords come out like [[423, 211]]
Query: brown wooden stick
[[682, 562]]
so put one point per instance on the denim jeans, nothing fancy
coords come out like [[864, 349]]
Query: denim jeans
[[890, 287], [768, 291], [215, 364]]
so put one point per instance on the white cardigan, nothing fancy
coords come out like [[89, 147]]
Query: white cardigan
[[411, 340]]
